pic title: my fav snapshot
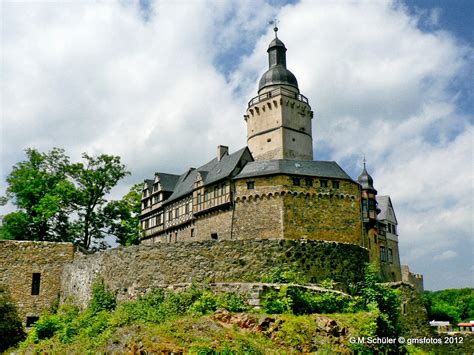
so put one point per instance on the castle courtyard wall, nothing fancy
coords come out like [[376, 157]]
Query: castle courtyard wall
[[132, 271], [20, 260]]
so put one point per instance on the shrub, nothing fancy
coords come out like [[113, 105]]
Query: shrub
[[232, 302], [102, 300], [11, 329], [46, 326], [285, 274]]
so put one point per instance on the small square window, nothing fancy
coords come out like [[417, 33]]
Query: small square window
[[30, 321], [296, 181], [214, 236], [335, 184], [323, 183], [309, 182], [250, 185]]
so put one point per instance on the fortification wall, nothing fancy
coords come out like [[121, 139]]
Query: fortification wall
[[134, 270], [20, 260]]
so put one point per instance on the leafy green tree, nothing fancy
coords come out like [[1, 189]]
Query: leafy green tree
[[11, 329], [94, 179], [122, 217], [60, 201], [453, 305], [42, 192]]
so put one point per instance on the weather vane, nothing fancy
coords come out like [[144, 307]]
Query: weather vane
[[275, 23]]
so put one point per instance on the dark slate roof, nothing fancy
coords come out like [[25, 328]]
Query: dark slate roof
[[168, 181], [149, 184], [210, 172], [365, 180], [277, 75], [329, 169]]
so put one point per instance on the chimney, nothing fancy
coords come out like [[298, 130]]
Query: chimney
[[221, 151]]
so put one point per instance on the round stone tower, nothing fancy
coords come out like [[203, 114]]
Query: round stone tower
[[279, 118]]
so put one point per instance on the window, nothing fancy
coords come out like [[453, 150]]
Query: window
[[250, 185], [199, 198], [335, 184], [186, 208], [35, 283], [170, 215], [176, 213], [364, 206], [155, 186], [145, 203], [192, 233], [147, 223], [309, 182], [394, 229], [296, 181], [159, 218], [382, 254], [222, 189], [390, 255], [371, 204], [30, 321], [155, 199], [323, 183], [216, 191], [214, 236]]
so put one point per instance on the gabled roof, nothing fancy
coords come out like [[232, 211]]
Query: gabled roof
[[384, 204], [167, 181], [325, 169], [149, 184], [212, 171]]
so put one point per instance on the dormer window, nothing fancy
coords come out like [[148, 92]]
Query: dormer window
[[323, 183], [296, 181], [335, 184], [250, 185]]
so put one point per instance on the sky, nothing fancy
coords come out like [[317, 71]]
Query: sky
[[162, 83]]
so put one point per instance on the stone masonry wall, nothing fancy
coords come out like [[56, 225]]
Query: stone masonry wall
[[333, 214], [20, 259], [131, 271]]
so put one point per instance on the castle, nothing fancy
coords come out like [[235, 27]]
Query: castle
[[230, 221], [273, 188]]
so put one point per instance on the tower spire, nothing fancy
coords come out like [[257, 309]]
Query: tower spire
[[275, 23]]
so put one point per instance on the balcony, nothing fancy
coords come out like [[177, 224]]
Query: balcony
[[276, 92]]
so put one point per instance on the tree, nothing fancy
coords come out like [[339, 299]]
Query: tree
[[60, 201], [94, 179], [122, 217], [40, 188]]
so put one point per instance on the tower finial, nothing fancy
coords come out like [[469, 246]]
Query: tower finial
[[275, 23], [364, 161]]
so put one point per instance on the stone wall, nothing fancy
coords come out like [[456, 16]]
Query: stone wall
[[20, 260], [416, 280], [131, 271], [324, 214], [414, 320]]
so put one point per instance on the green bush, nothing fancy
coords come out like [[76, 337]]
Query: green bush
[[285, 274], [47, 326], [11, 329], [102, 300], [296, 300], [232, 302]]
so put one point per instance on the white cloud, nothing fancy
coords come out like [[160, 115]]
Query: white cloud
[[447, 254], [96, 77]]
